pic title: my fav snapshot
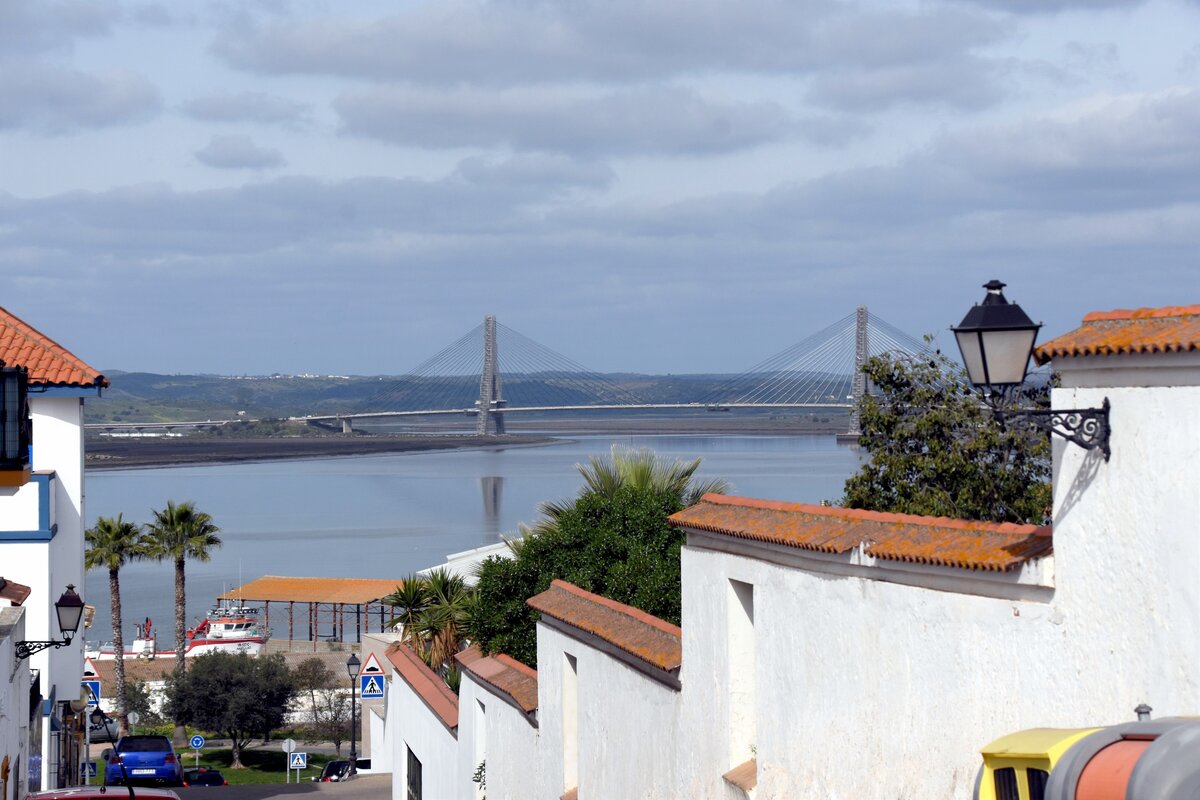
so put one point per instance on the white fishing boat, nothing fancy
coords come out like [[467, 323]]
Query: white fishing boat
[[228, 629]]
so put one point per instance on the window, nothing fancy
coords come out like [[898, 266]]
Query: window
[[570, 714], [14, 418], [1037, 783], [414, 776]]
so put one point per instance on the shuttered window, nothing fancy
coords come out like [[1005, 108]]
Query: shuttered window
[[1037, 783], [1006, 784]]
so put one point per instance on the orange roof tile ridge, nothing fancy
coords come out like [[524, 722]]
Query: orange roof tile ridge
[[41, 341], [867, 515], [434, 682], [621, 608], [1143, 313], [509, 661]]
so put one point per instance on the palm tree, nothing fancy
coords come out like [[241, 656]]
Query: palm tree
[[111, 544], [411, 598], [434, 613], [640, 469], [180, 532]]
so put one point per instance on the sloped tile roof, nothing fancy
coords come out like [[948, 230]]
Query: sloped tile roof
[[898, 537], [136, 669], [504, 674], [1172, 329], [432, 690], [48, 362], [653, 640], [313, 590]]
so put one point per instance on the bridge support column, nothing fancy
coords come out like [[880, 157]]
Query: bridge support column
[[858, 384], [347, 425], [490, 397]]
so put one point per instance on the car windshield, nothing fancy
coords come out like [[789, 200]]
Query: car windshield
[[144, 744]]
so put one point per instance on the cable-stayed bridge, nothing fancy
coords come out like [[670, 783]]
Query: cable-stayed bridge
[[493, 371]]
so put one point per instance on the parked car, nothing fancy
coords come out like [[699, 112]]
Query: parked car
[[143, 759], [98, 793], [203, 777], [106, 731], [337, 770]]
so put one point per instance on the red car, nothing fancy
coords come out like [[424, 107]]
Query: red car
[[98, 793]]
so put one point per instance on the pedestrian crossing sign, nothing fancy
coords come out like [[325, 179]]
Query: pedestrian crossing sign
[[298, 761], [371, 686]]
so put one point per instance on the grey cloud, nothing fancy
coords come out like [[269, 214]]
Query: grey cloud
[[58, 101], [33, 27], [1055, 6], [238, 152], [247, 107], [538, 169], [968, 85], [643, 121], [511, 42]]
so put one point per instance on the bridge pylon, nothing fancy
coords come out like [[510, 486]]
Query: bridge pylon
[[490, 396], [858, 383]]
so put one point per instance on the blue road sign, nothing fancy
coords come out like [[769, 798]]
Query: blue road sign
[[196, 742], [94, 691], [88, 769], [298, 761], [370, 686]]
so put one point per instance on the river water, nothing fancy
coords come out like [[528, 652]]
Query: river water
[[389, 515]]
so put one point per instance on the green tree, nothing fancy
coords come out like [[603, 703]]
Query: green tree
[[613, 539], [328, 704], [434, 614], [239, 696], [137, 698], [111, 544], [180, 532], [936, 449]]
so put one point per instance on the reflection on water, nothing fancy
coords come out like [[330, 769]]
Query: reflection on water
[[386, 516]]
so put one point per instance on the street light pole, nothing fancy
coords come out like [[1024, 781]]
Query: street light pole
[[353, 666]]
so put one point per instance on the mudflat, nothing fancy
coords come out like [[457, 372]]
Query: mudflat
[[106, 453]]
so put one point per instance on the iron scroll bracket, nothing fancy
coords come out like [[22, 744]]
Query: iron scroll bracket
[[1087, 427]]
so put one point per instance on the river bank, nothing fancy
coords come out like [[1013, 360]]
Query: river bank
[[104, 453]]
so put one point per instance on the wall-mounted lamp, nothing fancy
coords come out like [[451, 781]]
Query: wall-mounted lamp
[[69, 609], [996, 339]]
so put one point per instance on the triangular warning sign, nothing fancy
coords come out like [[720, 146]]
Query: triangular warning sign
[[89, 668], [371, 665], [373, 686]]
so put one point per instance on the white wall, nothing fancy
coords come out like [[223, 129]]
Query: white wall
[[14, 702], [411, 724], [515, 765], [628, 724]]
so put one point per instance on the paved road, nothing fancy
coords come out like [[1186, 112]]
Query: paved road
[[364, 787]]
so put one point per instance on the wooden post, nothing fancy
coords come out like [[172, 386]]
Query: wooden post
[[267, 624], [358, 621], [291, 635]]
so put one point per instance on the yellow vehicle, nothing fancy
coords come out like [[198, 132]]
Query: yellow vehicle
[[1017, 766]]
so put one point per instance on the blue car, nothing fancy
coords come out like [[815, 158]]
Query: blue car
[[143, 759]]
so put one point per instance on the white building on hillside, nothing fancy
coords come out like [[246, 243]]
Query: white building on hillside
[[41, 529], [835, 653]]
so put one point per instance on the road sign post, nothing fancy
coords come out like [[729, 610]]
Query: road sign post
[[289, 746], [133, 718], [297, 761], [197, 742]]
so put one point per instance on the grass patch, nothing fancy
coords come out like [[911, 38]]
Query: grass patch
[[261, 766]]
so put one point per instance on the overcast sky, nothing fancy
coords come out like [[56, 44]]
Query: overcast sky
[[643, 185]]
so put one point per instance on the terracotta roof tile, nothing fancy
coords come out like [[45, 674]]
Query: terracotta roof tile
[[898, 537], [744, 775], [653, 640], [48, 362], [136, 669], [1145, 330], [15, 593], [504, 674], [432, 690], [313, 590]]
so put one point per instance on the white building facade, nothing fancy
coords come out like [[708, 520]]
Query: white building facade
[[836, 653], [41, 536]]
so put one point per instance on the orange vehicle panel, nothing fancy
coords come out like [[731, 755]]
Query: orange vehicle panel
[[1107, 774]]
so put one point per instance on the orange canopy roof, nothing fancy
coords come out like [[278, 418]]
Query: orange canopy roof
[[1142, 330], [48, 362], [274, 588]]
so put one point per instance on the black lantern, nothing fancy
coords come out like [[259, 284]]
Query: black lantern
[[69, 610], [996, 339], [353, 667]]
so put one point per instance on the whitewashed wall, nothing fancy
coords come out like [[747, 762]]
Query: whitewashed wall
[[411, 724], [872, 689], [510, 744], [14, 702]]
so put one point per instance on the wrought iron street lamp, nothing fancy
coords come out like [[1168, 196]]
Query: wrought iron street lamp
[[69, 609], [996, 339], [353, 667]]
